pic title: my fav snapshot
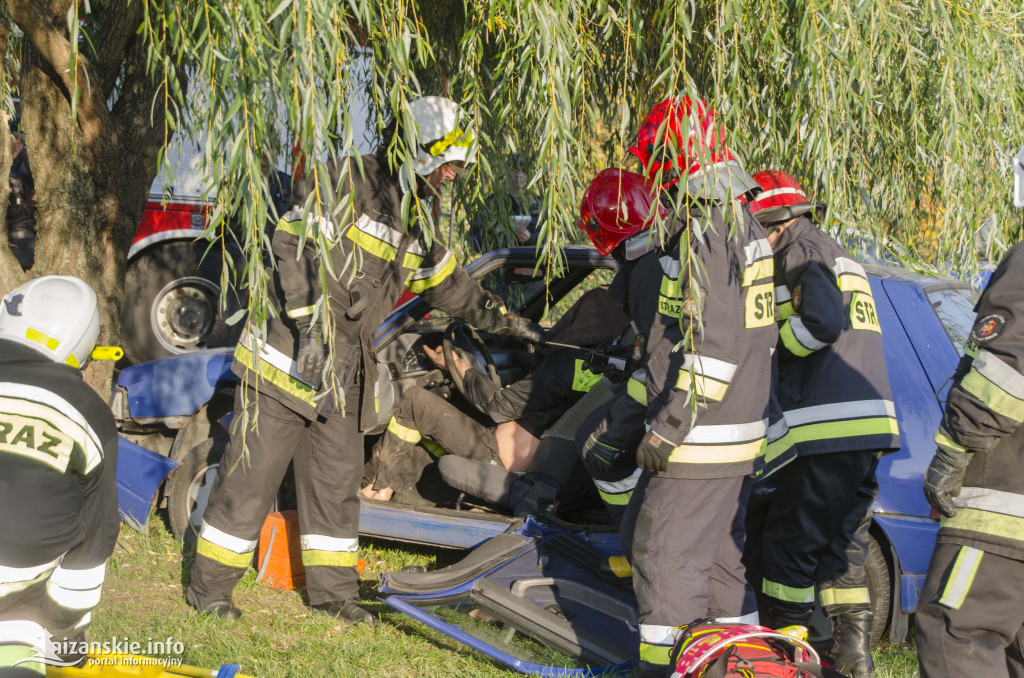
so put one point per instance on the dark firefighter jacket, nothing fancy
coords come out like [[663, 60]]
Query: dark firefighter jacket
[[373, 256], [636, 286], [983, 414], [833, 385], [58, 457], [780, 450], [539, 399], [709, 350]]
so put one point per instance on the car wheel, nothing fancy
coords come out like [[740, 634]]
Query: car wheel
[[188, 488], [172, 303], [879, 581], [879, 589]]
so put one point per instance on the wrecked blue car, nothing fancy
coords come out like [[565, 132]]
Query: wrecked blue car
[[540, 590]]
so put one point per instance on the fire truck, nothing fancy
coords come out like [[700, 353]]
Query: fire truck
[[172, 298]]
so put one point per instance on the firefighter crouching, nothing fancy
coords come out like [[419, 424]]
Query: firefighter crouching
[[298, 395], [834, 391], [708, 382], [970, 615], [58, 456]]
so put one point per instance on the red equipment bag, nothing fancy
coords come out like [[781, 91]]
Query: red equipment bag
[[710, 649]]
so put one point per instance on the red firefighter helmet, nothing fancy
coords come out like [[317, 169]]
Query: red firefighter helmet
[[781, 198], [617, 205], [679, 137]]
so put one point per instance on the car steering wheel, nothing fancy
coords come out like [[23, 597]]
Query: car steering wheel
[[459, 334]]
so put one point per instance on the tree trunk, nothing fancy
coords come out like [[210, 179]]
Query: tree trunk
[[6, 152], [11, 274], [93, 170]]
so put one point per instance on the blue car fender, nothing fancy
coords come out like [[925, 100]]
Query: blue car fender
[[140, 473], [177, 386]]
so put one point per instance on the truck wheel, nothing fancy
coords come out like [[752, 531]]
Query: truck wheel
[[188, 488], [172, 303]]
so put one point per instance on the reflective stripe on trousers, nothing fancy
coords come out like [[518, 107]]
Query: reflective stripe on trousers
[[656, 643], [76, 589], [223, 547], [319, 549]]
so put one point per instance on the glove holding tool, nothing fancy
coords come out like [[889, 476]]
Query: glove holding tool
[[493, 317]]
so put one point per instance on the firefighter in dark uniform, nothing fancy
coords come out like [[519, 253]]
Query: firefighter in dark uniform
[[306, 366], [607, 439], [58, 456], [778, 453], [970, 615], [708, 383], [834, 391], [522, 411]]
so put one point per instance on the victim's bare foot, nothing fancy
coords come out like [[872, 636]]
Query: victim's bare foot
[[378, 495]]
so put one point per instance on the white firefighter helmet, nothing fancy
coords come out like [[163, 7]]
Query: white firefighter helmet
[[56, 315], [445, 134]]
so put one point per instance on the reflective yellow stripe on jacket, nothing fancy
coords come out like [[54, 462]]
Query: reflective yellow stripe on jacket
[[425, 278], [759, 294], [708, 378], [842, 420], [40, 425], [274, 366], [996, 384], [636, 387], [721, 444]]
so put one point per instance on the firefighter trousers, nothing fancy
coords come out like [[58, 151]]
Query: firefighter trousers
[[753, 545], [328, 460], [441, 427], [41, 606], [615, 489], [686, 540], [970, 616], [816, 532]]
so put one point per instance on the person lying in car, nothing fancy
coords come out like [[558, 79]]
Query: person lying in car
[[427, 426]]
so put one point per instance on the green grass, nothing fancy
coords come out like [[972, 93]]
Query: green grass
[[895, 661], [277, 636]]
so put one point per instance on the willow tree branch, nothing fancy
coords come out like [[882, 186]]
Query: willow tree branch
[[43, 28]]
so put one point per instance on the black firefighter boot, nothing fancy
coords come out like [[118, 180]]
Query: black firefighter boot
[[852, 648]]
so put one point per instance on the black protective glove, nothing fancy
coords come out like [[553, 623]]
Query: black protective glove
[[493, 317], [514, 326], [313, 353], [653, 453], [607, 462], [944, 478]]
